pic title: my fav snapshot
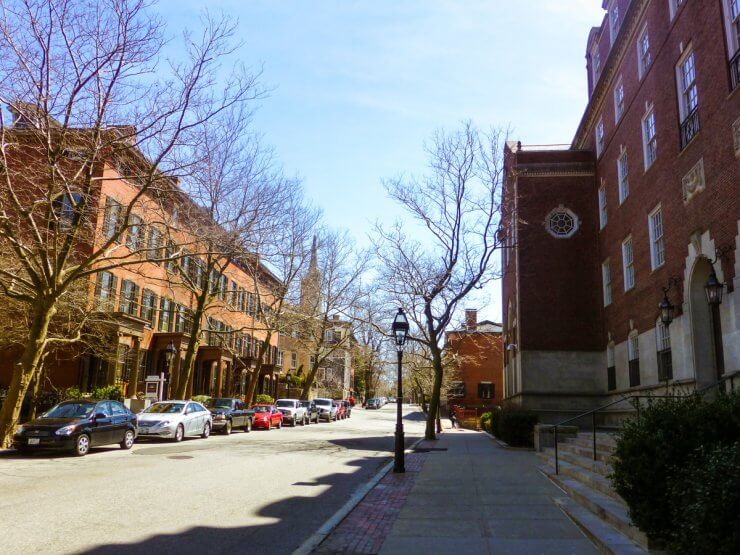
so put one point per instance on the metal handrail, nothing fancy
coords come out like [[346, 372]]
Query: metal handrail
[[629, 397]]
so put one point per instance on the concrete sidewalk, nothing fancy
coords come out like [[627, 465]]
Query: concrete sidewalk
[[471, 495]]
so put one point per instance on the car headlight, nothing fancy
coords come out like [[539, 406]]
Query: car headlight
[[20, 429], [163, 423], [66, 430]]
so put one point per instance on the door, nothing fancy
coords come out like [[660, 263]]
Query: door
[[119, 424], [239, 415], [191, 419], [102, 428]]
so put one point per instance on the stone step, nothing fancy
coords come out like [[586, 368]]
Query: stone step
[[588, 463], [595, 481], [608, 509], [607, 539], [587, 441], [601, 454]]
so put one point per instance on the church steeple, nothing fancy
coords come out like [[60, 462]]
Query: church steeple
[[311, 282]]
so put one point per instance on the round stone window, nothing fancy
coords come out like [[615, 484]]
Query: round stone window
[[561, 223]]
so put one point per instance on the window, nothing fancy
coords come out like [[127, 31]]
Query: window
[[456, 390], [623, 177], [148, 306], [154, 245], [643, 52], [602, 207], [614, 21], [183, 319], [166, 307], [618, 100], [595, 65], [649, 141], [293, 361], [732, 29], [655, 227], [561, 223], [599, 137], [135, 233], [606, 282], [673, 6], [485, 390], [112, 218], [66, 207], [663, 344], [240, 302], [611, 369], [105, 290], [129, 302], [170, 251], [628, 263], [233, 293], [633, 354], [222, 287], [688, 97]]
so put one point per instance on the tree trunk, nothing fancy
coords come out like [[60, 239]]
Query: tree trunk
[[431, 426], [256, 372], [186, 368], [37, 383], [310, 379], [25, 371]]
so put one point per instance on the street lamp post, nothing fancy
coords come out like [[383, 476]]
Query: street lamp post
[[400, 330], [714, 289], [169, 356]]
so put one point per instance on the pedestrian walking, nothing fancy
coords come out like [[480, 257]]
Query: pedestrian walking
[[453, 418]]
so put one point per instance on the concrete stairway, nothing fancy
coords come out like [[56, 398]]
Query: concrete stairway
[[592, 503]]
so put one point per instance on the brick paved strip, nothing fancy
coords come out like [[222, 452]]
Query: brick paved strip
[[363, 531]]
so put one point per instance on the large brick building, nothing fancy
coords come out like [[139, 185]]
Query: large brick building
[[645, 198]]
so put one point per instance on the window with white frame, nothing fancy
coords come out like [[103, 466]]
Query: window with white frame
[[643, 52], [606, 282], [732, 25], [623, 177], [649, 140], [595, 64], [614, 21], [663, 347], [602, 206], [611, 371], [657, 248], [628, 264], [673, 6], [688, 96], [599, 137], [633, 356], [618, 100]]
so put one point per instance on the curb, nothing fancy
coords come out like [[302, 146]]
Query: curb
[[328, 527]]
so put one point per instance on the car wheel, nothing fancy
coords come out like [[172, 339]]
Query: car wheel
[[293, 423], [82, 445], [248, 426], [227, 428], [179, 433], [206, 431], [128, 440]]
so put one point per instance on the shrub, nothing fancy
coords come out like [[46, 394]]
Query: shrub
[[108, 392], [264, 398], [72, 393], [652, 450], [516, 427], [485, 421], [201, 398], [706, 496]]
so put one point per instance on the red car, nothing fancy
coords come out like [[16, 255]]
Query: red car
[[341, 410], [267, 417]]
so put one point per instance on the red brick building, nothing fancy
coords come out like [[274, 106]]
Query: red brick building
[[648, 190], [478, 350]]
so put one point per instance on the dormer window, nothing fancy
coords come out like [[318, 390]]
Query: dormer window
[[614, 21]]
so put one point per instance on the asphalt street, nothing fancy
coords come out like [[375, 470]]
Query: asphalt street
[[257, 492]]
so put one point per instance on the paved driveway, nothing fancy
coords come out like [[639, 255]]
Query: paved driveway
[[261, 492]]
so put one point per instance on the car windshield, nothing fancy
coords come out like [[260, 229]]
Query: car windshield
[[261, 409], [305, 403], [323, 402], [70, 410], [165, 408], [218, 403], [289, 404]]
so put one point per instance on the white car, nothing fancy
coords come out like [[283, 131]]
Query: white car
[[175, 420], [327, 409], [293, 412]]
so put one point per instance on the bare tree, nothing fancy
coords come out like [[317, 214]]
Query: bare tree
[[368, 356], [456, 212], [74, 76]]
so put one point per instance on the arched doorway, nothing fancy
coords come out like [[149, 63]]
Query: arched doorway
[[702, 329]]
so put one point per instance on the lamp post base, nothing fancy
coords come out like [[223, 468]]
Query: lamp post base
[[399, 465]]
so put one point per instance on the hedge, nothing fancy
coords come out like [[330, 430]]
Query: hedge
[[512, 425]]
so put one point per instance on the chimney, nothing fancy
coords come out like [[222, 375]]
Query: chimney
[[471, 319]]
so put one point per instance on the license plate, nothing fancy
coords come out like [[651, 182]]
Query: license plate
[[34, 441]]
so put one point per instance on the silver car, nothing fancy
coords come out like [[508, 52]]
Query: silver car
[[327, 409], [175, 420]]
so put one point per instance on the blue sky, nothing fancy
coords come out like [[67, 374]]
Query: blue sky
[[358, 86]]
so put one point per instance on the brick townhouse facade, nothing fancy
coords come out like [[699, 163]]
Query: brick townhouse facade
[[477, 348], [149, 309], [646, 198]]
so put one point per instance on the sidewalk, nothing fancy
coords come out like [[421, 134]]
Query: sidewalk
[[467, 495]]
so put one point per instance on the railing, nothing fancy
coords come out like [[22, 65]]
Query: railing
[[689, 127], [735, 70], [636, 397]]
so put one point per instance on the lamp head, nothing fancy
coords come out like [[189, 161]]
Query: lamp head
[[666, 311], [400, 329], [714, 289]]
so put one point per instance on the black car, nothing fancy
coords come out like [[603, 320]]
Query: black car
[[311, 410], [230, 413], [77, 426]]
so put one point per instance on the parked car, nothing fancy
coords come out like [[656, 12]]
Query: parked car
[[341, 411], [373, 403], [347, 408], [293, 411], [267, 417], [327, 409], [78, 425], [228, 414], [175, 420], [311, 410]]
